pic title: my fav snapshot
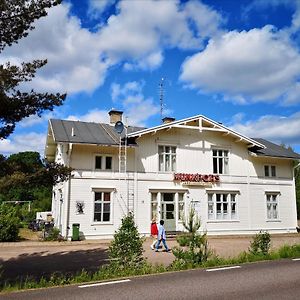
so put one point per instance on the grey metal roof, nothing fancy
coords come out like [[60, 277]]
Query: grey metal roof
[[86, 132], [273, 150]]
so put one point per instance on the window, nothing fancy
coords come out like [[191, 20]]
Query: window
[[153, 206], [103, 162], [167, 158], [270, 171], [102, 206], [220, 161], [222, 206], [272, 206], [180, 207]]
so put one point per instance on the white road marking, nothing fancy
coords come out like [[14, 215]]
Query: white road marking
[[296, 259], [222, 269], [103, 283]]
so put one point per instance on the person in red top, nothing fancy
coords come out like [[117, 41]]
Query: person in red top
[[154, 232]]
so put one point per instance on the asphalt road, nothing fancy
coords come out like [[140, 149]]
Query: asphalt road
[[264, 280]]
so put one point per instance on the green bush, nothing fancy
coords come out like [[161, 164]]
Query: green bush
[[261, 243], [9, 224], [193, 248], [126, 249], [53, 235]]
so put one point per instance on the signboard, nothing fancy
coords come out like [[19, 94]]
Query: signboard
[[196, 178]]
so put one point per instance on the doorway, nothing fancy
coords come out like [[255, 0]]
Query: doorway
[[168, 211]]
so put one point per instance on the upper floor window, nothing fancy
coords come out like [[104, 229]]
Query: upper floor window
[[167, 158], [102, 206], [220, 161], [222, 206], [103, 162], [270, 171], [272, 206]]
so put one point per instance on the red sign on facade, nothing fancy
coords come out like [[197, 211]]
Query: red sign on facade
[[183, 177]]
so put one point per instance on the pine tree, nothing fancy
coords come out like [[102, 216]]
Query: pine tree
[[193, 248], [16, 19], [126, 249]]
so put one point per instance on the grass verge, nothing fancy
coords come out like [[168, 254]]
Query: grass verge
[[109, 272]]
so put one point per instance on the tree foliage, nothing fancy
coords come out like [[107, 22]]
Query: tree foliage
[[193, 248], [16, 20], [126, 249], [9, 224], [25, 176]]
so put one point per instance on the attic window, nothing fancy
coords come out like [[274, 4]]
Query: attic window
[[103, 162]]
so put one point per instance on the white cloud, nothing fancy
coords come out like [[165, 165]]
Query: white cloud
[[141, 30], [248, 66], [31, 141], [97, 7], [94, 115], [279, 129], [72, 52], [137, 108]]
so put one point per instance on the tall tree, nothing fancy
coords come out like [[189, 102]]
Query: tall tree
[[16, 20]]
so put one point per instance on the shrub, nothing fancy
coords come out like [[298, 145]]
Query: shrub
[[9, 224], [53, 235], [193, 248], [261, 243], [126, 249]]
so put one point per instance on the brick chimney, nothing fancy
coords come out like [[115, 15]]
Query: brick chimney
[[115, 115], [167, 120]]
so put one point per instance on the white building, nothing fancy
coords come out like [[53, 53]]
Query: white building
[[238, 185]]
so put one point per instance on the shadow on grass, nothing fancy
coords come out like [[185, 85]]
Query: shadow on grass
[[40, 264]]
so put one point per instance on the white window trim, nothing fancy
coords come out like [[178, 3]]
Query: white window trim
[[278, 194], [103, 162], [270, 170], [228, 192], [166, 145], [222, 148], [104, 190]]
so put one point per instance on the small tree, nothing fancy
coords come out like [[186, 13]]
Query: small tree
[[9, 224], [193, 248], [126, 249], [261, 243]]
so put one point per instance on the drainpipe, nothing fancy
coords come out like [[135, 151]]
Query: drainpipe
[[69, 191]]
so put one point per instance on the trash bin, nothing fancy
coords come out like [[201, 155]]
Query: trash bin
[[75, 232]]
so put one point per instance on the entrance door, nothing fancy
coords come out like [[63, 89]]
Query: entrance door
[[168, 211]]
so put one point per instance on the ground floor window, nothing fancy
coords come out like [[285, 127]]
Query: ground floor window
[[222, 206], [272, 206], [102, 206]]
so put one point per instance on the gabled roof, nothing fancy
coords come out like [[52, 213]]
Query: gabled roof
[[78, 132], [273, 150], [200, 123]]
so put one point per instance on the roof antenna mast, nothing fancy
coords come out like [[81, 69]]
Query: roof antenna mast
[[161, 97]]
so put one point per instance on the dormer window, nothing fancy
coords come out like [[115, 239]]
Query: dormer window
[[220, 161], [167, 158], [103, 162], [270, 171]]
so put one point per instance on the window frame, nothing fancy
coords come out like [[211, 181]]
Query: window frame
[[270, 171], [272, 203], [103, 162], [102, 202], [226, 200], [165, 154], [224, 169]]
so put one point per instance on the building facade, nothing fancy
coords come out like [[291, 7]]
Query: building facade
[[237, 185]]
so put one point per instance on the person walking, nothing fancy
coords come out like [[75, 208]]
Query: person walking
[[161, 237], [154, 232]]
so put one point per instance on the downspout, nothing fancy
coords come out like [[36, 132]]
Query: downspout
[[69, 190]]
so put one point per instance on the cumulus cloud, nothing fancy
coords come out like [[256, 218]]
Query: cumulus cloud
[[97, 7], [137, 108], [94, 115], [279, 129], [248, 66], [144, 30], [73, 53], [31, 141]]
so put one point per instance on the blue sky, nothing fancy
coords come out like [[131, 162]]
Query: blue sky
[[236, 62]]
